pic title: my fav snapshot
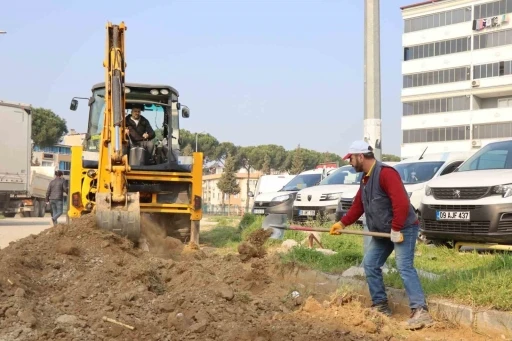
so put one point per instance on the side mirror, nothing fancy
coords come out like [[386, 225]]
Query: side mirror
[[250, 194], [185, 112], [74, 105]]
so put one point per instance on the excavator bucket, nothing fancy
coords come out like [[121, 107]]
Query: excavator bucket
[[123, 220]]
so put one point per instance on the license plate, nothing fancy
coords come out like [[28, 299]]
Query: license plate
[[259, 211], [452, 215], [307, 212]]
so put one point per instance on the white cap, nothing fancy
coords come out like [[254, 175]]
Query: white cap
[[358, 147]]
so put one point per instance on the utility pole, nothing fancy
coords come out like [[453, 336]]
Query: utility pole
[[372, 106]]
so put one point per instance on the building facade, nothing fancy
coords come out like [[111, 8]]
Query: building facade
[[59, 155], [213, 197], [457, 75]]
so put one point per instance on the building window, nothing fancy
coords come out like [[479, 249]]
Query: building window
[[492, 70], [439, 48], [451, 17], [493, 39], [455, 133], [436, 77], [505, 102], [492, 130], [64, 165], [494, 8], [438, 105]]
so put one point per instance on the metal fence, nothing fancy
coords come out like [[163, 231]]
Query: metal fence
[[234, 210]]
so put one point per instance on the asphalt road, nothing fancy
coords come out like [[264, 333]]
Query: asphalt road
[[12, 229]]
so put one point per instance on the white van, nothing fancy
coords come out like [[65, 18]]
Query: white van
[[271, 183], [323, 199], [474, 203], [281, 202]]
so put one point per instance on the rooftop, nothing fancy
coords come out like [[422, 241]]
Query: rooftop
[[418, 4]]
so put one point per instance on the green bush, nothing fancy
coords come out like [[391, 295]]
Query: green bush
[[254, 226], [247, 220]]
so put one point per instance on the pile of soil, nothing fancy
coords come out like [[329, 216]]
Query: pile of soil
[[74, 282]]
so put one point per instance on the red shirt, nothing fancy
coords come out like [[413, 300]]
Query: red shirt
[[392, 185]]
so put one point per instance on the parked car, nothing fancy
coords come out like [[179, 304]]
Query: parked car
[[474, 203], [281, 202], [322, 200]]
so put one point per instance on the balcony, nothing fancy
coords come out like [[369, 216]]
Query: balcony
[[456, 118]]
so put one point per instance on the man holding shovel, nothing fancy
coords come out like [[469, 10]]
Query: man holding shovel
[[384, 201]]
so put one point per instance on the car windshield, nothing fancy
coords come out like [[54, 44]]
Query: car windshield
[[343, 176], [492, 156], [302, 181], [418, 172]]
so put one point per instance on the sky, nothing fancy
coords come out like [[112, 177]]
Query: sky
[[251, 72]]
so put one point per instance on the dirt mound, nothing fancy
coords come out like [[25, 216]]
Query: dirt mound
[[253, 247], [79, 283]]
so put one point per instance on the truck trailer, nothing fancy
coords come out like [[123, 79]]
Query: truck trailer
[[22, 186]]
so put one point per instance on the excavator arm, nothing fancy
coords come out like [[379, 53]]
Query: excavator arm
[[117, 210]]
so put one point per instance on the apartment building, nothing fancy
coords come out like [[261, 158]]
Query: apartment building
[[59, 155], [457, 75], [212, 196]]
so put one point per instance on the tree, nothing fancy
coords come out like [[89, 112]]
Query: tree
[[47, 127], [206, 143], [249, 157], [224, 149], [227, 182], [187, 151], [265, 168], [297, 161], [390, 158]]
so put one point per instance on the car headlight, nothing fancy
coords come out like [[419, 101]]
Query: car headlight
[[428, 190], [330, 196], [504, 190], [281, 198]]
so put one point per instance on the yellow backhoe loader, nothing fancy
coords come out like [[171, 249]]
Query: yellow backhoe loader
[[119, 178]]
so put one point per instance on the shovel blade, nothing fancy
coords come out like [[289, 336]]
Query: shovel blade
[[275, 219]]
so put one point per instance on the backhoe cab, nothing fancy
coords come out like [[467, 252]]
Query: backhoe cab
[[119, 178]]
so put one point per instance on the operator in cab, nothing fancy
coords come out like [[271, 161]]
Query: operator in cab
[[139, 129]]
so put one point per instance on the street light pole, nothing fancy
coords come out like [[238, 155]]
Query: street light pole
[[372, 84], [196, 138]]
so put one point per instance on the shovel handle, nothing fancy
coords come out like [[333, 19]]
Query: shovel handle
[[317, 229]]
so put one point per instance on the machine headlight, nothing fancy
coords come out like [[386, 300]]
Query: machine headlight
[[281, 198], [127, 90], [504, 190], [154, 92], [164, 91], [330, 196], [428, 190]]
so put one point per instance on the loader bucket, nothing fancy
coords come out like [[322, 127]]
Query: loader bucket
[[123, 219], [275, 219]]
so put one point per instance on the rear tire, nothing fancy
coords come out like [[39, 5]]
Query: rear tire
[[42, 208], [35, 209]]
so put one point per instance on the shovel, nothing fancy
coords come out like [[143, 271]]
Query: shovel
[[277, 223]]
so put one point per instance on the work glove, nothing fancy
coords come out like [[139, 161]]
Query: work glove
[[396, 236], [335, 227]]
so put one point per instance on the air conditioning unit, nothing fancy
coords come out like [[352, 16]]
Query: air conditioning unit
[[476, 143], [475, 83]]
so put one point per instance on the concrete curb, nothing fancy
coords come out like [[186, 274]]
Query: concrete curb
[[476, 318]]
